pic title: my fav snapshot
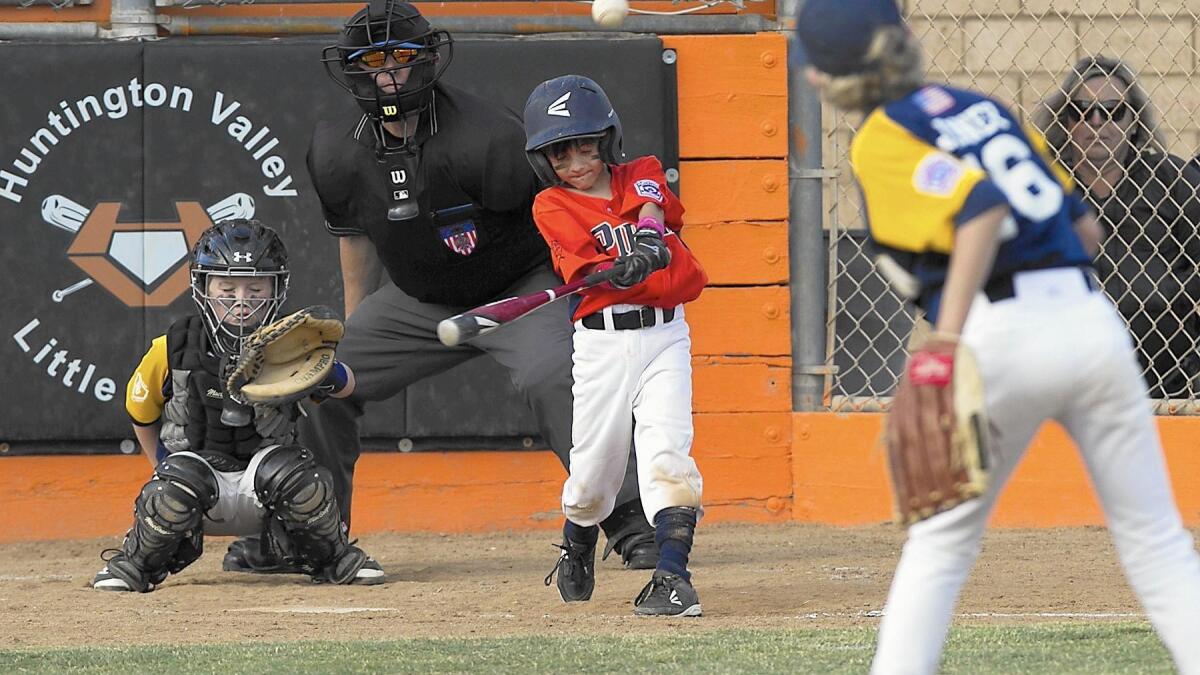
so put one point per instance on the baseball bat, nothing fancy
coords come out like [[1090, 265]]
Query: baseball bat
[[487, 318]]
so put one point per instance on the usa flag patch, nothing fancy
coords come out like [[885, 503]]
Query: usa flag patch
[[934, 100], [460, 237]]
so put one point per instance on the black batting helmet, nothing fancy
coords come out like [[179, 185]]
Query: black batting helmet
[[383, 29], [571, 106], [238, 248]]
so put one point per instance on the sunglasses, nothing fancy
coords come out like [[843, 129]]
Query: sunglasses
[[375, 58], [1109, 111]]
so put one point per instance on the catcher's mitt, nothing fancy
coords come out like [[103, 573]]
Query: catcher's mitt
[[287, 360], [936, 432]]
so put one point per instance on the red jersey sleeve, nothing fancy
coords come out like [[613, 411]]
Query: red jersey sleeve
[[644, 182], [573, 249]]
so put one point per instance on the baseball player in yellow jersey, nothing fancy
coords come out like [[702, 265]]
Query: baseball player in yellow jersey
[[994, 244], [220, 468]]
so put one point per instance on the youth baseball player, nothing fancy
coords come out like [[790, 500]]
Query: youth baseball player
[[632, 361], [1001, 245], [213, 472]]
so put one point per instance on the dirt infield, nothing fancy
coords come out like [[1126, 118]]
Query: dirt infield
[[463, 586]]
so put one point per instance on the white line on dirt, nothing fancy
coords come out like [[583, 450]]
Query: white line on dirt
[[36, 577], [875, 614], [313, 610], [1053, 615]]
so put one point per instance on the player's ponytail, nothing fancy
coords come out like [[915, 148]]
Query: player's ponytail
[[895, 68]]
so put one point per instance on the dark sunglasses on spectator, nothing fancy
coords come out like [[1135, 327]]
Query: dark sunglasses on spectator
[[374, 58], [1110, 111]]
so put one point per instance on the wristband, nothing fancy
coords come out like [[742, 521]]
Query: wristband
[[651, 223], [336, 380], [928, 368]]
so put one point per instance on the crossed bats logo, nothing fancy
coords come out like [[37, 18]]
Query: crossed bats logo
[[139, 263]]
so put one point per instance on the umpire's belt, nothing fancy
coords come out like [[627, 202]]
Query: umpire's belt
[[1065, 280], [631, 320]]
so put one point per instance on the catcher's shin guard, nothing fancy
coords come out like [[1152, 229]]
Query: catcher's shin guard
[[166, 535], [299, 494], [630, 536]]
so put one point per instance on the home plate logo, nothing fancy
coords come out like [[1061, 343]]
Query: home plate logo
[[139, 263]]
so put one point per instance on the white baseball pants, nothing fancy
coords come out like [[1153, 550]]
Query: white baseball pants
[[1060, 352], [632, 384]]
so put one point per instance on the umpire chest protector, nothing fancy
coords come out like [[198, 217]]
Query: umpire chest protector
[[194, 399], [470, 235]]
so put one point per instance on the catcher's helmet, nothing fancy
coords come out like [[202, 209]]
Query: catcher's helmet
[[383, 29], [238, 248], [836, 34], [571, 106]]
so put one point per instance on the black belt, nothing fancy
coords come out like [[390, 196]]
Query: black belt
[[631, 320], [1002, 288]]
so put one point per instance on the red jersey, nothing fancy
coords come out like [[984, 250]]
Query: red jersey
[[584, 231]]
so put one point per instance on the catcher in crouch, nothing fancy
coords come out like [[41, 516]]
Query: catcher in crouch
[[228, 464]]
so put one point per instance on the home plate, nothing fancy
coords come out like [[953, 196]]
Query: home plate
[[313, 610]]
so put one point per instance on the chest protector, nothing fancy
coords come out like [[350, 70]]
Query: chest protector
[[195, 395]]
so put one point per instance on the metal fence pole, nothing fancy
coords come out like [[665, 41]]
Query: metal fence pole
[[133, 19], [806, 248]]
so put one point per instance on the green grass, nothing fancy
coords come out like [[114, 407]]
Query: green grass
[[1037, 648]]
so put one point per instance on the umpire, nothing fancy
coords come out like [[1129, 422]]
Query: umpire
[[431, 185]]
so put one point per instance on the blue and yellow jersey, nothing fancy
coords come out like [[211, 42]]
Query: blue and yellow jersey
[[144, 395], [940, 156]]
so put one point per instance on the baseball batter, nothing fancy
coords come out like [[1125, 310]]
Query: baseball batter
[[632, 360], [1001, 244], [221, 468]]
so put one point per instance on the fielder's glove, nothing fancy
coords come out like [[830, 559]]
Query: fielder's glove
[[936, 432], [287, 360], [650, 254]]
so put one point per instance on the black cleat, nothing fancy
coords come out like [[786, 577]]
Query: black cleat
[[353, 567], [246, 555], [638, 551], [667, 595], [576, 568], [119, 574]]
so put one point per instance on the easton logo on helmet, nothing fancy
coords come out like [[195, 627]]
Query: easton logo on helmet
[[559, 107]]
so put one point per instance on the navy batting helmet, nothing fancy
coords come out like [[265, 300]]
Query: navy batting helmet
[[238, 248], [571, 106], [418, 57], [836, 34]]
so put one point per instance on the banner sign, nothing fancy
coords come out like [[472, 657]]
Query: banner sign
[[116, 156]]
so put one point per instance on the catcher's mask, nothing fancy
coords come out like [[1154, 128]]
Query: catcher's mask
[[238, 251], [388, 58], [565, 108]]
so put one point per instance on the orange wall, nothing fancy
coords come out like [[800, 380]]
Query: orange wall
[[758, 468], [840, 474]]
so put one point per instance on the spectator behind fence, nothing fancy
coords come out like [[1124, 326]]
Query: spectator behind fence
[[1101, 126]]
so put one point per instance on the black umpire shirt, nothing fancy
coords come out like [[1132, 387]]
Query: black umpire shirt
[[474, 236]]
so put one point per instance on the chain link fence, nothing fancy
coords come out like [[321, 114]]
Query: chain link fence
[[1110, 84]]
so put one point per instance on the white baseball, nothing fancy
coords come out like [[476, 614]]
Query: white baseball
[[609, 13]]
